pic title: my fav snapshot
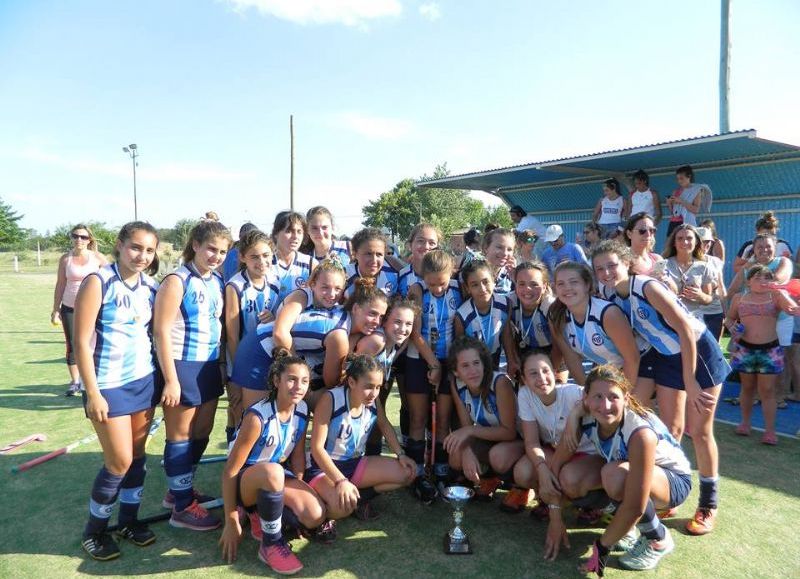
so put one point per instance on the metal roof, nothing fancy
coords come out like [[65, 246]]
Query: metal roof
[[704, 152]]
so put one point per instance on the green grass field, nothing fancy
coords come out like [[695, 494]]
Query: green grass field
[[44, 509]]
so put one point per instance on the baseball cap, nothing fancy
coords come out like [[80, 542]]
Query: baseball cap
[[704, 233], [553, 232]]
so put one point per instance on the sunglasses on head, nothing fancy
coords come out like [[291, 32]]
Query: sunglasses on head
[[646, 230], [79, 236]]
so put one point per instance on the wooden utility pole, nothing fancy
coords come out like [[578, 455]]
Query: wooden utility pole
[[291, 162]]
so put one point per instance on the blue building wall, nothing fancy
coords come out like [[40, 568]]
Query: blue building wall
[[741, 195]]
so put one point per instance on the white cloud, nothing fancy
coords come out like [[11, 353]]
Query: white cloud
[[430, 11], [355, 13], [374, 127], [172, 172]]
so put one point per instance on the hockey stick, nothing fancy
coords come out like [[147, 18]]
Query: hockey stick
[[51, 455], [216, 503], [12, 446]]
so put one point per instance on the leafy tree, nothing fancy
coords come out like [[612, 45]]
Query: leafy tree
[[179, 234], [10, 231], [497, 214], [106, 236], [400, 209]]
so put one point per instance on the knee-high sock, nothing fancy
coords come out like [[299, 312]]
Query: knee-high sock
[[178, 466], [104, 495], [415, 449], [270, 509], [709, 492], [130, 494], [649, 525]]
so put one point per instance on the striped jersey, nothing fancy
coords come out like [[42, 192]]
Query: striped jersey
[[437, 318], [293, 276], [308, 335], [347, 435], [485, 327], [650, 324], [531, 331], [121, 344], [589, 337], [386, 280], [197, 329], [482, 413], [386, 357], [340, 249], [406, 278], [253, 300], [277, 439], [503, 285], [669, 454]]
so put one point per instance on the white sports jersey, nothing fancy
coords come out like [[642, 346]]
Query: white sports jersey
[[552, 419], [340, 249], [531, 331], [482, 413], [590, 338], [347, 435], [485, 327], [669, 454], [291, 277], [277, 439], [386, 280], [253, 300], [121, 342], [197, 328]]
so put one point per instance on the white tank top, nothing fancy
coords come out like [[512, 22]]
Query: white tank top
[[642, 202], [610, 211]]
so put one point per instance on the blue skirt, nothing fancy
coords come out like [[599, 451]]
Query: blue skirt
[[135, 396], [200, 381]]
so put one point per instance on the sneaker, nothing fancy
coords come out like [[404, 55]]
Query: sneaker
[[627, 541], [194, 517], [73, 390], [541, 511], [424, 490], [515, 500], [255, 526], [279, 558], [667, 513], [703, 521], [366, 512], [137, 533], [486, 488], [325, 533], [168, 501], [646, 554], [100, 547]]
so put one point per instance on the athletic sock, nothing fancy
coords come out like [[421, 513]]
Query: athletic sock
[[594, 499], [101, 503], [415, 449], [199, 446], [709, 492], [649, 525], [290, 519], [130, 492], [441, 468], [229, 430], [405, 420], [178, 466], [270, 509]]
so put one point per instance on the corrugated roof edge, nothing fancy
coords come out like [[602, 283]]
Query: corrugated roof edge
[[751, 133]]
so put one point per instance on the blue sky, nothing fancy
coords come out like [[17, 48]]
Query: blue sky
[[380, 90]]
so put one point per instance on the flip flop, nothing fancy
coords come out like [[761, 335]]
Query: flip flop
[[769, 438], [742, 430]]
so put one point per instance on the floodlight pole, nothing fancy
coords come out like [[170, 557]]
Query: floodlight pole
[[133, 152], [291, 162], [724, 66]]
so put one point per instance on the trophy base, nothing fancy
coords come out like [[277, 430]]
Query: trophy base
[[452, 547]]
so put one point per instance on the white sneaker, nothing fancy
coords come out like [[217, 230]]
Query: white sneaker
[[628, 540], [646, 554]]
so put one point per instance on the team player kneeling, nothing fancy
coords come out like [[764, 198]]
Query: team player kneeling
[[298, 358]]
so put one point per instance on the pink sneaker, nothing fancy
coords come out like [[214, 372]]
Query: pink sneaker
[[255, 525], [279, 558], [194, 517], [168, 502]]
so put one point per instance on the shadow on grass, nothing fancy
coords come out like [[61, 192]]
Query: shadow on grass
[[38, 397], [59, 360], [45, 342]]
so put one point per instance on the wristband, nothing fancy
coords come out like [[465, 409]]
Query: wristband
[[338, 482], [554, 507]]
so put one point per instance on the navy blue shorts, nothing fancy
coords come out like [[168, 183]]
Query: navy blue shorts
[[680, 485], [712, 367], [647, 364], [130, 398], [352, 469], [417, 377], [251, 365], [200, 381]]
